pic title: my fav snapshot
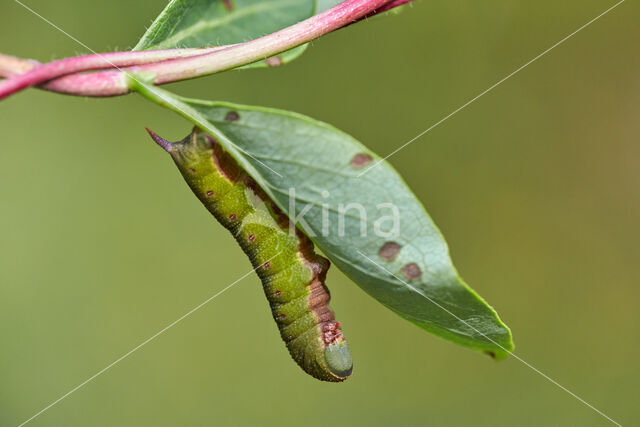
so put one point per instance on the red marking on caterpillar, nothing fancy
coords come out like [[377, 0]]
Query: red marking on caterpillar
[[331, 333]]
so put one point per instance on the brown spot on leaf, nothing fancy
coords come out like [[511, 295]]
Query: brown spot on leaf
[[210, 193], [192, 170], [252, 237], [274, 61], [490, 353], [278, 293], [411, 271], [267, 265], [389, 251], [227, 5], [232, 116], [361, 160], [232, 217], [282, 316]]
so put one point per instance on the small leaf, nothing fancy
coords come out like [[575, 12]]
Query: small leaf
[[409, 271], [205, 23]]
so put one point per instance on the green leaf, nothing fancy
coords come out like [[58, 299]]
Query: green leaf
[[416, 279], [204, 23], [323, 5]]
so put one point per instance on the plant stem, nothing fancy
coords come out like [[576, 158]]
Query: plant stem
[[264, 47], [184, 63], [55, 69], [11, 66]]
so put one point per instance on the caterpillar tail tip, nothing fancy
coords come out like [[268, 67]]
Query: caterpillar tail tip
[[166, 145]]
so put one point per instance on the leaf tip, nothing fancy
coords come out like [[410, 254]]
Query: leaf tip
[[504, 348]]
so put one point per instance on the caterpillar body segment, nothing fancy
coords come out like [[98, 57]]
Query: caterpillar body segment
[[292, 274]]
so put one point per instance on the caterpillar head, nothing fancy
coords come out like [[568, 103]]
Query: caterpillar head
[[336, 352]]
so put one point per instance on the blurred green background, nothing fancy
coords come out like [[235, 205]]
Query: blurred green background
[[535, 186]]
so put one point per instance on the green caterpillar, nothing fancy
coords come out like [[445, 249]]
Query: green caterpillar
[[292, 274]]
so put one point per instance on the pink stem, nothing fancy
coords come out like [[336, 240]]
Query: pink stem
[[11, 66], [263, 47], [55, 69], [188, 65]]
